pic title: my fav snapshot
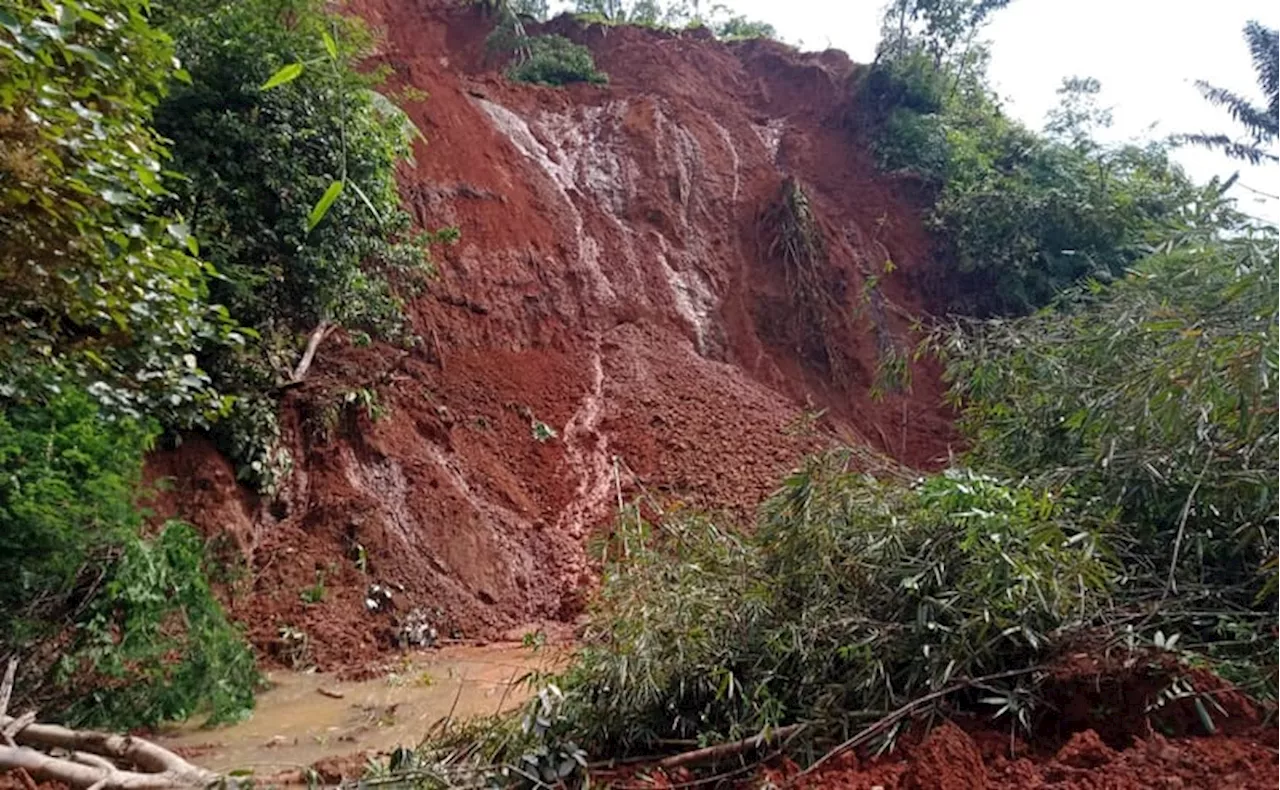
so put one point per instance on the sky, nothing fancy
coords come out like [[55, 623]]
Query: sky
[[1146, 53]]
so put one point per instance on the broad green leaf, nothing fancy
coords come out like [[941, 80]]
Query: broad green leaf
[[288, 73], [91, 54], [9, 22], [330, 45], [324, 204]]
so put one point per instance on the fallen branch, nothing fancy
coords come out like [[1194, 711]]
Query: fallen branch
[[98, 760], [6, 686], [906, 710], [732, 749], [322, 330]]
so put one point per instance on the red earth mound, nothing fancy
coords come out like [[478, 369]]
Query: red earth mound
[[1103, 728], [616, 283]]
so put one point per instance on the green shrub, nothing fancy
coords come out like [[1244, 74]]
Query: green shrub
[[1155, 395], [156, 645], [1019, 216], [288, 157], [256, 162], [852, 596], [140, 636], [96, 282], [555, 60], [68, 476]]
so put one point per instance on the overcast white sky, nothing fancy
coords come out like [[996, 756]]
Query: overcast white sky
[[1146, 53]]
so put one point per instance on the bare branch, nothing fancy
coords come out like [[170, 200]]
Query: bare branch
[[322, 330], [6, 687], [97, 760], [732, 749]]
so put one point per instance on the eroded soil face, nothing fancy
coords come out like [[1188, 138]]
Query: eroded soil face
[[616, 282]]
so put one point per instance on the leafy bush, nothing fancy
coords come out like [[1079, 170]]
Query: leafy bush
[[68, 475], [256, 162], [555, 60], [852, 596], [156, 645], [739, 28], [140, 635], [96, 283], [1155, 395], [288, 157], [1020, 216]]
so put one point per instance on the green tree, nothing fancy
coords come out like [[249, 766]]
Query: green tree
[[1258, 121], [289, 157], [96, 283], [942, 29], [1155, 395], [1078, 116], [1019, 216]]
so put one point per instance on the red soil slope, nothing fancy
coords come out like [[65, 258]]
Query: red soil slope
[[614, 281]]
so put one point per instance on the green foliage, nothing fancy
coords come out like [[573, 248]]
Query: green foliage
[[938, 29], [526, 752], [261, 164], [96, 283], [852, 595], [648, 13], [289, 160], [674, 15], [1020, 216], [1260, 123], [142, 638], [555, 60], [156, 645], [250, 435], [315, 593], [542, 433], [1156, 395], [68, 474], [737, 27]]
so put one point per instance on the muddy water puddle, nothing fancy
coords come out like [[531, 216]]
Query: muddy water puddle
[[305, 717]]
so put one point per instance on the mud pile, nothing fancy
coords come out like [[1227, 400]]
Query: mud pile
[[1104, 725], [614, 283]]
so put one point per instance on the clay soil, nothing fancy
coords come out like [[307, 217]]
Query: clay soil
[[614, 282]]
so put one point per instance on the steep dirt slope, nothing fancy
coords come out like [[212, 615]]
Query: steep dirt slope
[[614, 282]]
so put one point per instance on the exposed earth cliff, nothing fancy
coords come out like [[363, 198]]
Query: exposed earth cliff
[[617, 283]]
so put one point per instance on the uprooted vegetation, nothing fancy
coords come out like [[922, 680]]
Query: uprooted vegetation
[[1120, 501], [796, 239]]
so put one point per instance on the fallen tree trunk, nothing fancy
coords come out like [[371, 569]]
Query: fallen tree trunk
[[98, 760]]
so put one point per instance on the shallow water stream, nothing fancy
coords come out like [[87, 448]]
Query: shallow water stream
[[305, 717]]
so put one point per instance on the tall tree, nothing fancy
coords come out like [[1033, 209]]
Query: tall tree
[[1259, 121], [941, 28]]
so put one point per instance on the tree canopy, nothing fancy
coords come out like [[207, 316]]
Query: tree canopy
[[1258, 121]]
